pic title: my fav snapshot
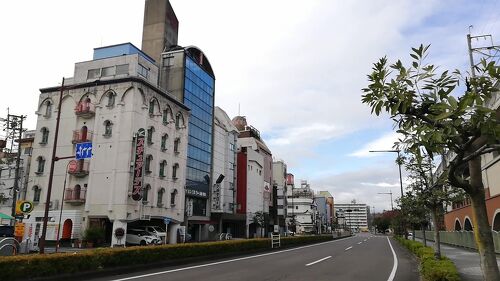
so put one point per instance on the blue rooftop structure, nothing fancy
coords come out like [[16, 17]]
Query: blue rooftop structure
[[119, 50]]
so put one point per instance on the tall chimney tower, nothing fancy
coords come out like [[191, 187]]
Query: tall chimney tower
[[160, 28]]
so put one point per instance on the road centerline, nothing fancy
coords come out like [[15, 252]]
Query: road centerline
[[320, 260], [359, 243], [348, 248]]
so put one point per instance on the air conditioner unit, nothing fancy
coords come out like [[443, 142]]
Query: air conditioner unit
[[54, 205]]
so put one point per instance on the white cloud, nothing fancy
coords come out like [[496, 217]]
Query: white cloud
[[385, 142]]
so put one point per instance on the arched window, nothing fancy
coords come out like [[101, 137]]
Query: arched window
[[45, 135], [163, 165], [111, 99], [179, 121], [83, 133], [173, 198], [160, 197], [175, 167], [76, 192], [152, 107], [41, 165], [37, 192], [176, 145], [145, 193], [164, 142], [496, 221], [458, 227], [165, 116], [467, 225], [147, 164], [48, 109], [108, 128], [151, 130]]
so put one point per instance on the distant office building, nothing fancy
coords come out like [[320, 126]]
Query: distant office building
[[160, 28], [352, 215], [136, 174], [187, 75], [327, 212], [302, 209]]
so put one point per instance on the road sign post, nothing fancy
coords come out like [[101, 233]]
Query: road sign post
[[166, 220]]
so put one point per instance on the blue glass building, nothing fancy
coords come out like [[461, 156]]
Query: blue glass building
[[195, 88]]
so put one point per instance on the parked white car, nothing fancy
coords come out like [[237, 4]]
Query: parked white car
[[159, 232], [141, 237]]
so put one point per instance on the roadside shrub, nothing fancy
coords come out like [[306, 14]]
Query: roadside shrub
[[36, 265], [432, 269]]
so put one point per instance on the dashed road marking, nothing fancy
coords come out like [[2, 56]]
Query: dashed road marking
[[320, 260], [348, 248]]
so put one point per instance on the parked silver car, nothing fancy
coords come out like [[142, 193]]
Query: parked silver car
[[157, 231], [141, 237]]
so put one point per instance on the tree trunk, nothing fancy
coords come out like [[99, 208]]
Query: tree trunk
[[423, 234], [437, 238], [482, 230]]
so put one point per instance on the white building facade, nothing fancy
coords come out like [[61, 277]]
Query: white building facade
[[352, 215], [108, 102]]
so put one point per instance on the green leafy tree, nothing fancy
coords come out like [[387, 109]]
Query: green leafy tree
[[421, 104]]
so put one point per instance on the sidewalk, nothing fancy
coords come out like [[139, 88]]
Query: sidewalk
[[466, 261]]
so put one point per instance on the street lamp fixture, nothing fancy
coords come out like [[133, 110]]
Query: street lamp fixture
[[399, 165]]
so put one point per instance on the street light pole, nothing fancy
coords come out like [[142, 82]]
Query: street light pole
[[62, 205], [399, 165]]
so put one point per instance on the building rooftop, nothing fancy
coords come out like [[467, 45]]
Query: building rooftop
[[117, 50]]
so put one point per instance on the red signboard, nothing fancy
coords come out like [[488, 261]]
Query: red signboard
[[72, 166], [137, 179], [289, 179]]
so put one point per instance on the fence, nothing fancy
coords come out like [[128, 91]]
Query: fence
[[459, 238]]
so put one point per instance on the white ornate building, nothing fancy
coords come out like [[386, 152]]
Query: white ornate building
[[106, 102]]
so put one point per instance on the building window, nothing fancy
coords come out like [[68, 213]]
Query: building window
[[108, 128], [45, 135], [150, 135], [231, 146], [143, 71], [175, 167], [163, 164], [37, 192], [108, 71], [152, 107], [145, 193], [176, 145], [164, 142], [41, 165], [165, 117], [147, 165], [167, 61], [48, 109], [159, 203], [28, 150], [94, 73], [179, 121], [173, 198], [111, 99], [122, 69]]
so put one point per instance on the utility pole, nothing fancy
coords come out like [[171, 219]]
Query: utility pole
[[483, 50], [390, 193], [15, 123]]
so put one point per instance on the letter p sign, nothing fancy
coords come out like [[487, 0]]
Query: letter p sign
[[25, 207]]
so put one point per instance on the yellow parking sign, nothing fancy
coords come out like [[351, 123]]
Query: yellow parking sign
[[24, 207]]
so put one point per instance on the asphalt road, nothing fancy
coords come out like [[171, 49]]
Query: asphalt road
[[362, 257]]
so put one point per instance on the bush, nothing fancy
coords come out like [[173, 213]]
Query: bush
[[36, 265], [431, 268]]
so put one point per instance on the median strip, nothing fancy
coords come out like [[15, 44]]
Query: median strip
[[320, 260]]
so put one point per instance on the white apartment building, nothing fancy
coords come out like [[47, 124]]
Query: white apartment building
[[223, 194], [108, 102], [352, 215], [301, 208]]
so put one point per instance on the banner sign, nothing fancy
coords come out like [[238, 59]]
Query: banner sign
[[216, 196], [138, 177]]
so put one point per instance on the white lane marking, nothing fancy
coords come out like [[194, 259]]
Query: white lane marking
[[320, 260], [395, 266], [364, 240], [348, 248], [226, 261], [359, 243]]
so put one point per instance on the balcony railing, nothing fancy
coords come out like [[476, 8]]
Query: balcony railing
[[85, 109], [79, 136], [80, 170], [75, 196]]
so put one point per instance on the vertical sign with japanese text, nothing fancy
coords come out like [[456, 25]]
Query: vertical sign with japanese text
[[137, 179]]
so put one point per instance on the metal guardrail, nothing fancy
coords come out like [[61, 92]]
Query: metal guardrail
[[459, 238]]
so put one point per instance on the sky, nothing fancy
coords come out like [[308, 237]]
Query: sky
[[295, 69]]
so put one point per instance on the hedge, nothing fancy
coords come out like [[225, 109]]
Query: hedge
[[46, 265], [432, 269]]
